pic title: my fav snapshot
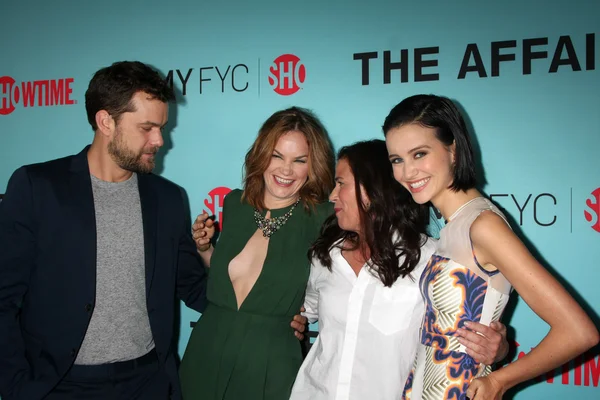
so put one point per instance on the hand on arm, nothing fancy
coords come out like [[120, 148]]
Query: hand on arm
[[309, 312], [571, 330], [299, 324], [486, 344], [203, 231]]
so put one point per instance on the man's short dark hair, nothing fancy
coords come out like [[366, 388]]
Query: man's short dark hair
[[112, 89]]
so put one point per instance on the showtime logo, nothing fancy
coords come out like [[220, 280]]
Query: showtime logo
[[42, 93], [287, 74], [594, 213], [214, 202]]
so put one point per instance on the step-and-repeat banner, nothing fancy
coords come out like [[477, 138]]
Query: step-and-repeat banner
[[526, 74]]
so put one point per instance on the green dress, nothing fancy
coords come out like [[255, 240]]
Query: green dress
[[252, 353]]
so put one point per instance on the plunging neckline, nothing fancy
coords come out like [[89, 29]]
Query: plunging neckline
[[258, 233], [273, 213]]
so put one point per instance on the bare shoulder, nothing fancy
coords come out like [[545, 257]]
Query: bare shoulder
[[489, 227]]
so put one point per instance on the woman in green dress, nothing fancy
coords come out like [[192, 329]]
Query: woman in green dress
[[243, 346]]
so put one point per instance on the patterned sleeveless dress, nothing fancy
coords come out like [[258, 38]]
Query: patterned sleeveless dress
[[455, 289]]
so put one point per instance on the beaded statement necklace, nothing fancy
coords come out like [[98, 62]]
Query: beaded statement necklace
[[271, 225]]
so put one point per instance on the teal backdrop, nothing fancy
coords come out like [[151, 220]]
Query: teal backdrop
[[526, 73]]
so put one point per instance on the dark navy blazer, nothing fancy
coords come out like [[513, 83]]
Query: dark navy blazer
[[48, 271]]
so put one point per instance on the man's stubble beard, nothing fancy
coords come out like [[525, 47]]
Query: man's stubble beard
[[127, 159]]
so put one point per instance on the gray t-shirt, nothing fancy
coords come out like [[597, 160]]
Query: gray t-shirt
[[119, 329]]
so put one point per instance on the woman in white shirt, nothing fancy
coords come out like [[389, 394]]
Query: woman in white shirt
[[363, 285]]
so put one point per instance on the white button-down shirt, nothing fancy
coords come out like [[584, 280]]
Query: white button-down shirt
[[368, 333]]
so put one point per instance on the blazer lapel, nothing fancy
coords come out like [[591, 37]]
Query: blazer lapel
[[149, 204], [80, 203]]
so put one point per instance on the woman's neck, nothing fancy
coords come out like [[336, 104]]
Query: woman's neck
[[274, 204], [448, 202], [356, 254], [359, 247]]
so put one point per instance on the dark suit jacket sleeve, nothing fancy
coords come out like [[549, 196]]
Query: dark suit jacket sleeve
[[17, 254], [191, 274]]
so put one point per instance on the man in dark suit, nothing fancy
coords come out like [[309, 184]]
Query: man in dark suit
[[94, 250]]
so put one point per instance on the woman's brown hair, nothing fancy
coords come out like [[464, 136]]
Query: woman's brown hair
[[320, 156]]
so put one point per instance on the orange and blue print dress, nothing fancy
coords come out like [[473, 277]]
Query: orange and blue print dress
[[455, 289]]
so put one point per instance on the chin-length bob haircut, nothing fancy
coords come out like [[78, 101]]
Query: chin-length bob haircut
[[441, 114], [320, 157]]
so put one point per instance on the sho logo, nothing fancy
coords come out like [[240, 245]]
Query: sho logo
[[214, 202], [49, 92], [287, 74], [594, 206]]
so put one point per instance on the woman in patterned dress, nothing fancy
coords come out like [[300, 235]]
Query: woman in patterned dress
[[477, 262]]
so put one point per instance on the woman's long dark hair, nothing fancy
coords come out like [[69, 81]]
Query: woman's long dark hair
[[392, 224]]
